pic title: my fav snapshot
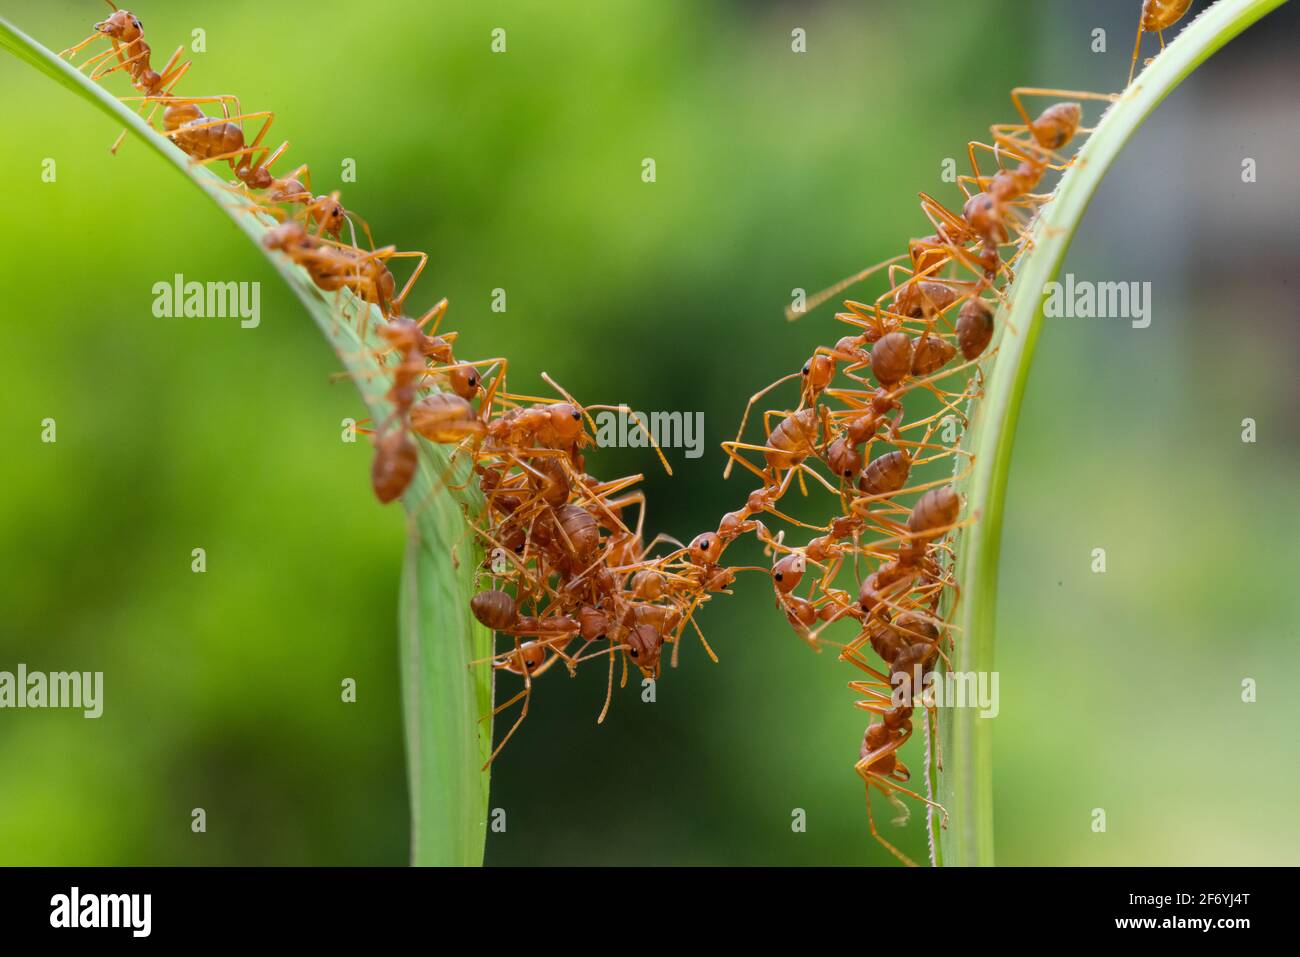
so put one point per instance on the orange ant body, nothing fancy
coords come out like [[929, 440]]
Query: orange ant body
[[126, 37], [1157, 16], [333, 267]]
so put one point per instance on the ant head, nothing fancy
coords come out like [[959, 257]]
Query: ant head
[[530, 656], [329, 212], [817, 373], [799, 612], [255, 177], [285, 235], [844, 457], [788, 572], [706, 549], [514, 538], [720, 579], [566, 421], [464, 381], [593, 623], [981, 213], [121, 25], [644, 643]]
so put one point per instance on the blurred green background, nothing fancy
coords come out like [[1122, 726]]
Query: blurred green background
[[522, 171]]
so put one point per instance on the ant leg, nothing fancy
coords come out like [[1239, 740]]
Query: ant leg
[[97, 59], [871, 818], [804, 467], [932, 726], [169, 80], [264, 161], [523, 713], [946, 222], [227, 117], [505, 656], [365, 228], [749, 407], [497, 381], [893, 786], [1023, 91], [436, 313], [641, 427], [123, 62], [224, 99], [76, 47], [834, 290], [1137, 45], [690, 616], [731, 449], [415, 275], [852, 654], [609, 687]]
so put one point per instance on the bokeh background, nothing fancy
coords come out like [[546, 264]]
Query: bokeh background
[[775, 170]]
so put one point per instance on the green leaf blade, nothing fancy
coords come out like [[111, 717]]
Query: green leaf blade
[[445, 691]]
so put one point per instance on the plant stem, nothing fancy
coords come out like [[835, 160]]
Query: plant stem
[[965, 784]]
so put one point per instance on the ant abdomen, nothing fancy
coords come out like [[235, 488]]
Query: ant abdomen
[[930, 353], [494, 609], [1057, 124], [1160, 15], [974, 327], [445, 418], [394, 465], [934, 513], [581, 534], [891, 358], [885, 474]]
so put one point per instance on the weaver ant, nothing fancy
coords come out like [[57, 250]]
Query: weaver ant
[[1157, 16]]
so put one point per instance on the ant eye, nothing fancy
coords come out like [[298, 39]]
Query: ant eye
[[806, 367], [577, 417], [778, 576], [632, 652]]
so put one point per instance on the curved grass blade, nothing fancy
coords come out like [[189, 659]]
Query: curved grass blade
[[444, 696], [965, 784]]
